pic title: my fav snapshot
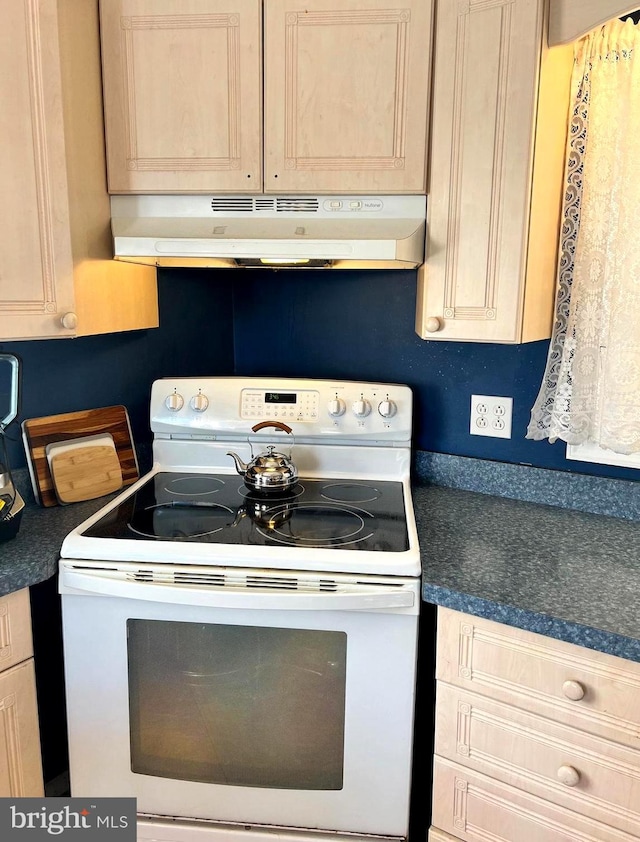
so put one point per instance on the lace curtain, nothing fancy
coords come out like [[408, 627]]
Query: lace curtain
[[591, 386]]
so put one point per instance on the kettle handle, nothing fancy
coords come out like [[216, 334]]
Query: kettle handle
[[277, 424]]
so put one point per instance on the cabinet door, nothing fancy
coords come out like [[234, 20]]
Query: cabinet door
[[183, 95], [36, 272], [485, 86], [16, 642], [346, 95], [20, 761]]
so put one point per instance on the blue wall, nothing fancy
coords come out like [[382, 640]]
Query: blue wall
[[310, 323], [361, 326], [65, 375]]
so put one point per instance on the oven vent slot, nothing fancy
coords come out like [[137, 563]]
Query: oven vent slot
[[233, 579], [273, 583], [141, 576], [216, 580]]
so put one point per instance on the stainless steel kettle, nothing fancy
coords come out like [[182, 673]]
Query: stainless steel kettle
[[269, 471]]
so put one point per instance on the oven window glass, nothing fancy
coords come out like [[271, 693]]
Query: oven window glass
[[238, 705]]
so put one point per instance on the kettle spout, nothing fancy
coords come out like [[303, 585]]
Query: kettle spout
[[241, 467]]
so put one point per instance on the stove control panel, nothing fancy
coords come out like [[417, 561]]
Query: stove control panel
[[219, 408], [297, 405]]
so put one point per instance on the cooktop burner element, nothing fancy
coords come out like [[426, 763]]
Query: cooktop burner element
[[220, 509], [323, 525], [194, 485], [350, 492], [180, 521]]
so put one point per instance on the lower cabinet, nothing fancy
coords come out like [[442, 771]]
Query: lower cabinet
[[536, 739], [20, 757]]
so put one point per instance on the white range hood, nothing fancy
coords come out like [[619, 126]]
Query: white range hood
[[337, 232]]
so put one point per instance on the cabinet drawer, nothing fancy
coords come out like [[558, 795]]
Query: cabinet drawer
[[594, 777], [476, 808], [16, 643], [589, 690]]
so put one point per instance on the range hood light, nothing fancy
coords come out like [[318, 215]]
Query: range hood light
[[274, 261]]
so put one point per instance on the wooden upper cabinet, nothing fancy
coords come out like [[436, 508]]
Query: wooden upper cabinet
[[36, 278], [498, 136], [345, 86], [183, 95], [57, 278], [346, 95]]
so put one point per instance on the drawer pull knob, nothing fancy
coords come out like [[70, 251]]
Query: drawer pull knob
[[433, 324], [69, 321], [568, 776], [573, 690]]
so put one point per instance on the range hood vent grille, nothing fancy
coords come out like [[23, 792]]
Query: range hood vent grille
[[250, 204], [232, 204], [297, 205]]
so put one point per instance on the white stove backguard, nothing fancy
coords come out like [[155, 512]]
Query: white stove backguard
[[318, 411]]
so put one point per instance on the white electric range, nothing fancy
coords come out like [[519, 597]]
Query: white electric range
[[244, 663]]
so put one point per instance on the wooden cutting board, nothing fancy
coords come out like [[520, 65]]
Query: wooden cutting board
[[37, 433], [84, 473]]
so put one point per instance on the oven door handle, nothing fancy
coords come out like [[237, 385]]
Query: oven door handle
[[357, 597]]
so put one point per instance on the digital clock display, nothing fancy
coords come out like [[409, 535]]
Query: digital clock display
[[280, 397]]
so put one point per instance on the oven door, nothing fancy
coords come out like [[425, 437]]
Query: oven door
[[247, 696]]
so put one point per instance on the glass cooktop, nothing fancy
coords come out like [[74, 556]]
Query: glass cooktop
[[220, 509]]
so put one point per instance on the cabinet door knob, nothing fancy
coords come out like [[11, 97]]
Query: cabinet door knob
[[568, 775], [433, 324], [573, 690], [69, 320]]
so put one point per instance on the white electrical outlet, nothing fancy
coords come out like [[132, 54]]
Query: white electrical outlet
[[491, 416]]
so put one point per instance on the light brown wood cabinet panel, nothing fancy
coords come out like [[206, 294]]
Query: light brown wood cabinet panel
[[346, 95], [20, 760], [475, 808], [56, 275], [183, 95], [537, 740], [345, 87], [587, 690], [594, 777], [16, 642], [498, 135]]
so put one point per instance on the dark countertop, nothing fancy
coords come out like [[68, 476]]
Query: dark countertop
[[32, 556], [567, 574]]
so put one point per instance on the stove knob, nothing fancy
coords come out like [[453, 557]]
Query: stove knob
[[337, 408], [174, 402], [199, 402], [387, 408], [361, 408]]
